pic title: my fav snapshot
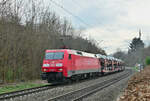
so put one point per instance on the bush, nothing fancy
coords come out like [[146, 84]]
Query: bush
[[148, 61]]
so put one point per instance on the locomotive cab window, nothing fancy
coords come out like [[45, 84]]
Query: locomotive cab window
[[69, 57], [54, 55]]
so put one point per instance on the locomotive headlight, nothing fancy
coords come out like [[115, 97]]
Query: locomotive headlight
[[46, 65], [44, 70], [59, 65], [60, 69]]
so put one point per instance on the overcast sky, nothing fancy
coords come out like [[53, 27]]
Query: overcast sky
[[113, 23]]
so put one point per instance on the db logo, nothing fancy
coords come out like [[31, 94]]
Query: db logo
[[52, 70], [52, 65]]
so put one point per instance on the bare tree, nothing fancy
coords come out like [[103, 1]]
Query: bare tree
[[27, 29]]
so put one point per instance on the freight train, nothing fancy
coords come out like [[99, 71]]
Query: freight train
[[65, 64]]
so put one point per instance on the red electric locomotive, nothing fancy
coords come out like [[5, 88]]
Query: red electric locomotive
[[66, 64]]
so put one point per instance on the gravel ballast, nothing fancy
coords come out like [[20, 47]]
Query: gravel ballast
[[110, 93]]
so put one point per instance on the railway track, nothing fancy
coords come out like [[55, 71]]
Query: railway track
[[6, 96], [19, 93], [24, 92], [79, 94]]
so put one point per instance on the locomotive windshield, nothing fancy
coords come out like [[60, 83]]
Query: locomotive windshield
[[54, 55]]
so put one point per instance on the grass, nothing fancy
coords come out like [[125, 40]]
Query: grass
[[11, 88], [135, 68]]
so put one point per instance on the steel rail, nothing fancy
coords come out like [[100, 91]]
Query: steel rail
[[9, 95], [99, 88], [79, 94], [5, 96]]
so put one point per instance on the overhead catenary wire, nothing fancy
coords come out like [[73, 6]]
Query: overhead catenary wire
[[76, 3], [75, 16], [70, 13], [80, 6]]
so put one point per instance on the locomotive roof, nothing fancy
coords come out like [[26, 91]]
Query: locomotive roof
[[100, 56], [76, 52], [71, 51], [81, 53]]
